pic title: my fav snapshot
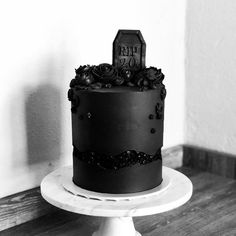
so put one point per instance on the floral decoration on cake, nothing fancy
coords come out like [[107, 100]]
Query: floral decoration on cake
[[149, 78], [106, 76]]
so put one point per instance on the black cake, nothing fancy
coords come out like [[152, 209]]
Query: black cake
[[117, 120]]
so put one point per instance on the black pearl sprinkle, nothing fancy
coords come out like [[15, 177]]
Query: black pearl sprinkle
[[151, 117], [153, 130], [89, 115], [159, 107], [163, 93], [115, 162], [158, 116]]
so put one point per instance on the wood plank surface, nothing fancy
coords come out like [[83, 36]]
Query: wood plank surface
[[216, 162], [22, 207], [211, 211]]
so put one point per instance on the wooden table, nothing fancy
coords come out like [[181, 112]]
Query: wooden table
[[210, 211]]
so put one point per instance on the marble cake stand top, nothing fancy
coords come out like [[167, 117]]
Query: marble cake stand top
[[58, 189]]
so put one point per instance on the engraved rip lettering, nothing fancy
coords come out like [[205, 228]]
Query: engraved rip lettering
[[128, 56]]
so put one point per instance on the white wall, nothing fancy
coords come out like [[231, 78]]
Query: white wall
[[41, 43], [211, 74]]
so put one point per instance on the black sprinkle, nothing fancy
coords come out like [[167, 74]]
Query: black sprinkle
[[151, 116], [153, 130], [115, 162], [158, 116]]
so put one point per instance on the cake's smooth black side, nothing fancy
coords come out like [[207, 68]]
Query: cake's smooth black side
[[113, 120], [135, 178]]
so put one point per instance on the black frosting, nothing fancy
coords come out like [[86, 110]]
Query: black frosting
[[111, 121], [104, 73], [106, 76]]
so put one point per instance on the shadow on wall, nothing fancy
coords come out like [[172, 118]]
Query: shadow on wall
[[43, 124], [35, 121]]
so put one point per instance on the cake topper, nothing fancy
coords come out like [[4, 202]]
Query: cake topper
[[128, 69], [129, 50]]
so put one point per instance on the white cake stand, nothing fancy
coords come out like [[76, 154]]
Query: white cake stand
[[58, 189]]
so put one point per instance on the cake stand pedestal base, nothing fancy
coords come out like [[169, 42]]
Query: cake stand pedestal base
[[118, 209], [117, 226]]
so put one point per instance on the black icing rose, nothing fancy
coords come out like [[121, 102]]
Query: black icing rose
[[126, 74], [118, 81], [84, 75], [86, 79], [73, 83], [154, 74], [84, 69], [105, 73], [149, 78]]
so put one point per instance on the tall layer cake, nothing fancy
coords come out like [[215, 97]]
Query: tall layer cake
[[117, 120]]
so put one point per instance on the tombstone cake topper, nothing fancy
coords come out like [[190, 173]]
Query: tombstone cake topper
[[129, 50]]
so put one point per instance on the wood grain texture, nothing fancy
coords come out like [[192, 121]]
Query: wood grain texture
[[29, 205], [211, 211], [22, 207], [209, 160]]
